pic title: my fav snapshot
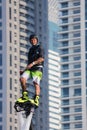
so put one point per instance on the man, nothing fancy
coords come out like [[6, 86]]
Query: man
[[34, 69]]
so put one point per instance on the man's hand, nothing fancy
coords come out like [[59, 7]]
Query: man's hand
[[29, 66]]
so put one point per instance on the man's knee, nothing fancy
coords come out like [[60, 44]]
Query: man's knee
[[22, 80]]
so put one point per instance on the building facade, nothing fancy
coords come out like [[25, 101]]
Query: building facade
[[19, 19], [72, 40], [53, 67]]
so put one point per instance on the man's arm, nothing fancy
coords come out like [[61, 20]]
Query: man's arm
[[38, 61]]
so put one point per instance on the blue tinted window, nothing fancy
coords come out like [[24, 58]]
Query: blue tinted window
[[66, 126], [86, 40], [0, 24], [0, 35], [78, 109], [86, 9], [65, 59], [0, 95], [76, 42], [76, 3], [77, 81], [78, 101], [77, 92], [0, 47], [65, 82], [78, 117], [65, 110], [66, 118], [64, 5], [77, 66], [0, 127], [64, 67], [65, 74], [0, 12], [65, 92], [0, 120], [0, 83], [0, 71], [78, 125], [65, 102], [0, 1], [0, 59], [76, 11], [0, 108]]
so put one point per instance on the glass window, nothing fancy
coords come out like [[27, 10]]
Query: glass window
[[65, 12], [64, 36], [65, 74], [65, 20], [76, 27], [65, 110], [0, 59], [64, 51], [65, 43], [66, 126], [0, 95], [0, 12], [0, 127], [77, 50], [0, 71], [0, 47], [64, 67], [65, 59], [76, 11], [76, 34], [77, 65], [77, 92], [78, 101], [65, 102], [76, 3], [78, 109], [10, 60], [64, 28], [78, 125], [76, 19], [10, 1], [78, 117], [0, 24], [64, 4], [10, 107], [0, 82], [65, 92], [77, 74], [77, 81], [0, 35], [86, 40], [10, 13], [0, 107], [65, 82], [66, 118], [77, 58], [0, 120], [76, 42]]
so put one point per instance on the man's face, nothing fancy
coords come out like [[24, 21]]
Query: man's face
[[33, 41]]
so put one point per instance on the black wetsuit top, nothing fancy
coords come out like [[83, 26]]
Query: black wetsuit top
[[35, 52]]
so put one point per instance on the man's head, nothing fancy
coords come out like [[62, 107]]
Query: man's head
[[33, 39]]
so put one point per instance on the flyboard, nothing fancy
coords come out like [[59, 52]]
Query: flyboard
[[25, 113]]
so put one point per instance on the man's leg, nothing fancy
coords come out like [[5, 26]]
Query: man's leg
[[23, 84], [37, 75], [23, 80]]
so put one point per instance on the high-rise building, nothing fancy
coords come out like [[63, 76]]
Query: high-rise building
[[72, 45], [19, 19], [53, 67]]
